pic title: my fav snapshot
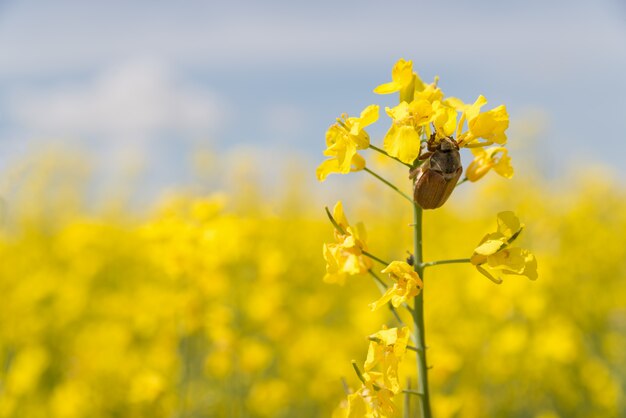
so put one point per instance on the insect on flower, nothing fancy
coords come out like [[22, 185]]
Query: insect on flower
[[436, 178]]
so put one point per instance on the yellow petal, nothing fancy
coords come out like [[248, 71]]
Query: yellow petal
[[399, 268], [402, 72], [508, 224], [357, 407], [358, 163], [387, 336], [490, 125], [399, 112], [504, 167], [444, 119], [369, 115], [530, 269], [402, 142], [383, 299], [473, 110], [401, 75], [339, 215], [478, 167], [488, 275], [388, 88], [455, 103], [327, 167], [517, 261], [491, 245], [509, 259], [332, 166], [421, 111]]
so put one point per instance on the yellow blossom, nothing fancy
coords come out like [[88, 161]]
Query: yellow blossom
[[343, 139], [407, 285], [494, 251], [387, 348], [486, 159], [372, 400], [430, 92], [444, 119], [345, 257], [402, 80], [489, 125], [403, 137]]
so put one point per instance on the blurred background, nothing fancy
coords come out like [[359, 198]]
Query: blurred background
[[140, 87], [161, 225]]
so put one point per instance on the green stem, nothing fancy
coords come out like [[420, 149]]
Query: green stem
[[463, 180], [373, 257], [406, 411], [361, 377], [440, 262], [378, 279], [334, 222], [385, 153], [406, 196], [418, 318]]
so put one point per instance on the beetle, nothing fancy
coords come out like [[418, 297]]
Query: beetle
[[436, 178]]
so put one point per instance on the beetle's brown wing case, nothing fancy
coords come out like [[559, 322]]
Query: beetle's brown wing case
[[432, 189]]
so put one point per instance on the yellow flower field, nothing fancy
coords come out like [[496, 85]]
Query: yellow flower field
[[206, 308]]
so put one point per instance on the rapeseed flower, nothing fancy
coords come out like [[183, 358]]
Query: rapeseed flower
[[489, 125], [494, 251], [345, 257], [387, 348], [486, 159], [409, 121], [372, 399], [403, 79], [343, 139], [407, 285]]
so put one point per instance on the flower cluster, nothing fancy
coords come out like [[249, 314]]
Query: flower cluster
[[423, 112], [426, 134]]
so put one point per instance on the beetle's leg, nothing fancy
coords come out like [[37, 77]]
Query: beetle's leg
[[414, 172]]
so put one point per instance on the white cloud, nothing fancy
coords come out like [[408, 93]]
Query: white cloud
[[133, 102]]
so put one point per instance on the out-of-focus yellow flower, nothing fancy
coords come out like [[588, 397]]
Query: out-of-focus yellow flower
[[494, 251], [343, 139], [488, 125], [28, 366], [146, 386], [403, 137], [379, 398], [402, 80], [387, 348], [345, 257], [372, 400], [486, 159], [407, 285]]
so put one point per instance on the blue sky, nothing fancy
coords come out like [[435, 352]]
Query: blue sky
[[149, 83]]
